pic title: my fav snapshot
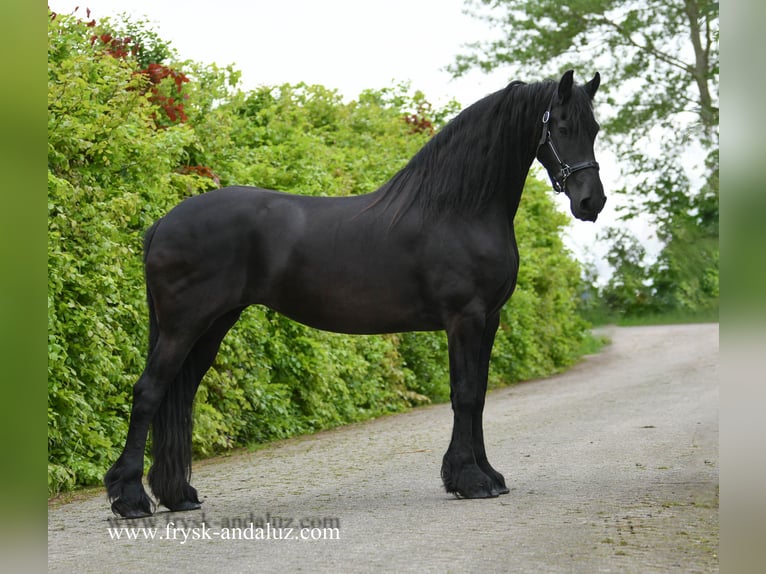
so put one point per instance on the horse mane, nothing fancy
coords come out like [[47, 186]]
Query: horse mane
[[487, 148]]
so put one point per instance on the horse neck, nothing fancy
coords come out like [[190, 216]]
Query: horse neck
[[507, 144]]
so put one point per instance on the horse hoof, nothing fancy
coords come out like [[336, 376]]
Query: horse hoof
[[498, 483], [185, 505], [496, 479], [475, 493], [141, 509], [471, 482], [498, 490], [128, 512], [479, 492], [135, 514]]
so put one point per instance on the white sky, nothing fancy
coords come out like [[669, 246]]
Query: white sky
[[343, 44], [346, 45]]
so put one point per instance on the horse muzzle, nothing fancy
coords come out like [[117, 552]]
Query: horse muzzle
[[587, 207]]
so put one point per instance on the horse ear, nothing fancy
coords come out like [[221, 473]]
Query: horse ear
[[593, 85], [565, 85]]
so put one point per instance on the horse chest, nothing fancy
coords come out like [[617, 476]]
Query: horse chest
[[473, 268]]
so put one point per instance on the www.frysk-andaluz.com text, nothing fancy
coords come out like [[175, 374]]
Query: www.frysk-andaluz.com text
[[239, 528]]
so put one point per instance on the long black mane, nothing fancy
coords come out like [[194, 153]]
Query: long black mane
[[483, 150]]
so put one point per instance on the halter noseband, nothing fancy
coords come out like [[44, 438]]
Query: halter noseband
[[559, 181]]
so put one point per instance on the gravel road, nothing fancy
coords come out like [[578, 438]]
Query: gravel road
[[612, 467]]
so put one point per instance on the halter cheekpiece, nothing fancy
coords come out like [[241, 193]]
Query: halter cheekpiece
[[559, 181]]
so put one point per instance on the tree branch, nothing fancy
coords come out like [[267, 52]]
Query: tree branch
[[647, 48]]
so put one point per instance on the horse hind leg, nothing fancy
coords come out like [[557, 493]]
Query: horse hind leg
[[170, 473], [123, 479]]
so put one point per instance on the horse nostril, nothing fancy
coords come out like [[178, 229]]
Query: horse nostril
[[585, 204]]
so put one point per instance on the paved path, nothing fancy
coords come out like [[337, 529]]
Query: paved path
[[612, 466]]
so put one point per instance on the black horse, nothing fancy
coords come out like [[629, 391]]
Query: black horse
[[433, 248]]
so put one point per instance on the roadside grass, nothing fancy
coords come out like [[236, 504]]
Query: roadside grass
[[593, 343], [673, 318], [600, 318]]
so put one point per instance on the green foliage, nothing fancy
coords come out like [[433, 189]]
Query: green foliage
[[110, 174], [113, 169], [670, 289], [628, 291]]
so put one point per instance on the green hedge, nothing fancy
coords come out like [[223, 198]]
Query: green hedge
[[114, 168]]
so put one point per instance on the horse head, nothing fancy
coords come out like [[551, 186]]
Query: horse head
[[566, 146]]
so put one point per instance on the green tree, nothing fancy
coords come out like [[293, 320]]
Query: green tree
[[628, 291], [660, 63]]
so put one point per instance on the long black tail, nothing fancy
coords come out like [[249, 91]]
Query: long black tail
[[172, 442]]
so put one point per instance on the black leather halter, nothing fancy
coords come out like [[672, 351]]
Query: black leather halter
[[559, 181]]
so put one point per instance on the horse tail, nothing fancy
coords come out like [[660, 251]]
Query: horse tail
[[153, 324], [172, 441]]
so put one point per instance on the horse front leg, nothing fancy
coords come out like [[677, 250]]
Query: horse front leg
[[461, 472], [498, 481]]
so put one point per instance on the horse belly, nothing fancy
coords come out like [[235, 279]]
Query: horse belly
[[348, 304]]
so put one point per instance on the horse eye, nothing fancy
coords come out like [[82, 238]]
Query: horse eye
[[563, 131]]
